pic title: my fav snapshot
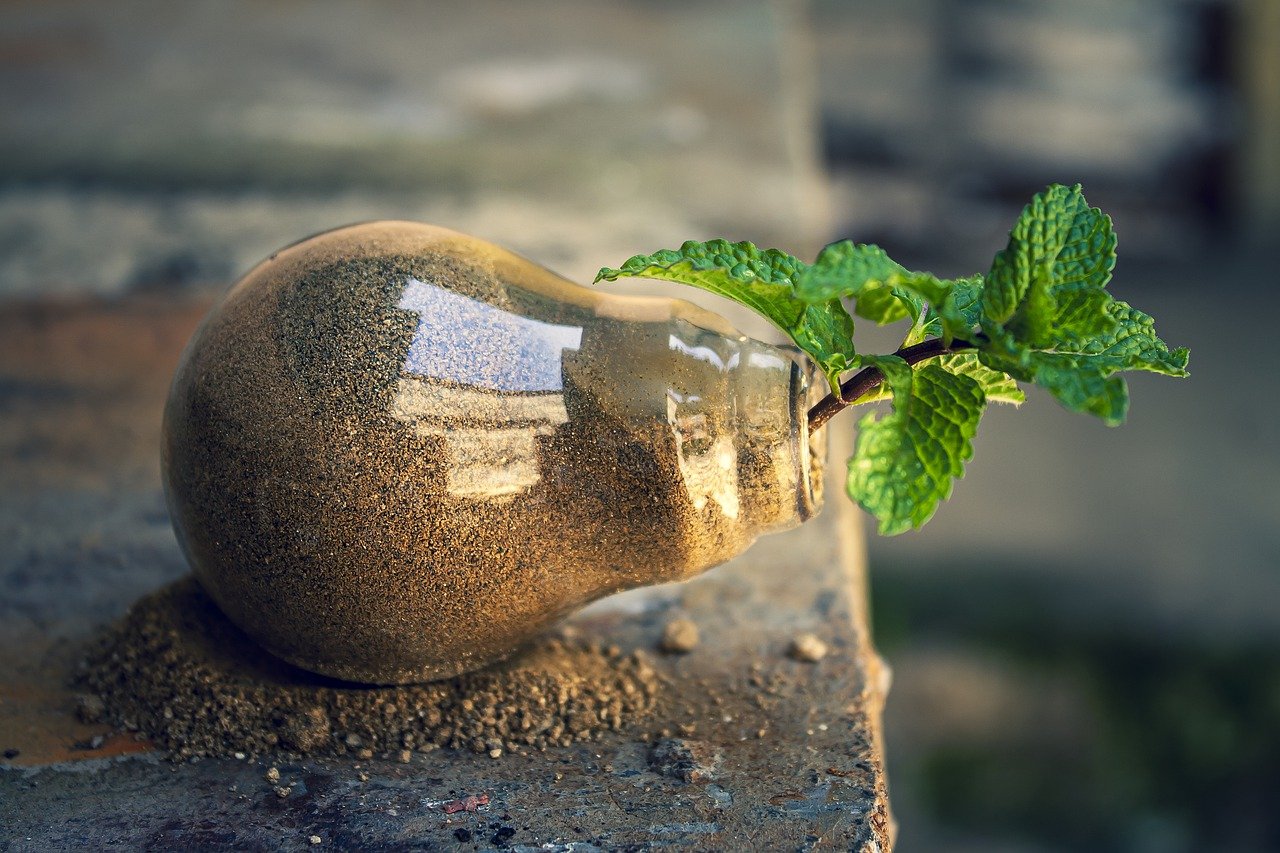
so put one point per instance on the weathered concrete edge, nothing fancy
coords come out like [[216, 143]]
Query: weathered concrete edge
[[877, 676]]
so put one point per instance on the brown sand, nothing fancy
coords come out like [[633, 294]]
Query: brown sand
[[177, 671]]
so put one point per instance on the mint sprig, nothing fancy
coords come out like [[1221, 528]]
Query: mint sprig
[[1041, 314]]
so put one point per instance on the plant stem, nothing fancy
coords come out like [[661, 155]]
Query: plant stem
[[867, 379]]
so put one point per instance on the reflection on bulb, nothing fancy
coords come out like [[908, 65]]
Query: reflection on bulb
[[473, 343], [488, 421]]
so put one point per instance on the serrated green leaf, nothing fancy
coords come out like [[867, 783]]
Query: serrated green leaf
[[1058, 246], [1080, 373], [947, 302], [1080, 314], [1048, 318], [740, 271], [905, 463], [864, 273], [996, 386], [966, 298], [763, 280], [1077, 382], [846, 269], [882, 305], [964, 307], [884, 291], [1131, 344]]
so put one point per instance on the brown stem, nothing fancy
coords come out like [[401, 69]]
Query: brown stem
[[868, 378]]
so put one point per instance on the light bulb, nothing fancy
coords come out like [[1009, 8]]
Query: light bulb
[[394, 453]]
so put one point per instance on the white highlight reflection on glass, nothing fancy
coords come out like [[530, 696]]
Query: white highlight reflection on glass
[[486, 381], [471, 342], [703, 353]]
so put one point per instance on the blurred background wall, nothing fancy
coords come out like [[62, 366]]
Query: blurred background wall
[[939, 115], [1086, 640]]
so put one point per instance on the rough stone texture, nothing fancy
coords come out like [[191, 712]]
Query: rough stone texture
[[679, 636]]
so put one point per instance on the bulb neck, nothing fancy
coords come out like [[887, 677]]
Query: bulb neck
[[779, 463], [737, 411]]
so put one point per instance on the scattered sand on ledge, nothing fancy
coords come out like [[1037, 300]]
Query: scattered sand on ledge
[[177, 671]]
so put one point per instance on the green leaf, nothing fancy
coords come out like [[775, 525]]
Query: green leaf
[[1079, 383], [963, 311], [1131, 344], [955, 316], [926, 293], [997, 387], [886, 292], [1080, 372], [905, 462], [861, 272], [1048, 318], [1080, 314], [1059, 246], [846, 269], [885, 304], [763, 280]]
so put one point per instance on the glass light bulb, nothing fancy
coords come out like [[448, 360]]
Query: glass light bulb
[[395, 453]]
